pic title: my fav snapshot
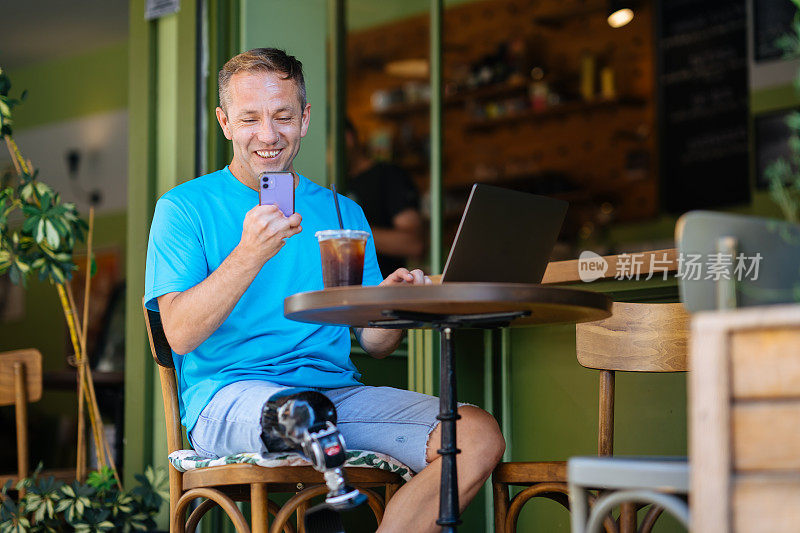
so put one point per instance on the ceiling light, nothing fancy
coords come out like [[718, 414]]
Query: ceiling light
[[619, 13]]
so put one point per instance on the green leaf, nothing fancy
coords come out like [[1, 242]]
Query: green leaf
[[38, 233], [51, 234]]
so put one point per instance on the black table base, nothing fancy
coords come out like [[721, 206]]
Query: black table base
[[448, 407]]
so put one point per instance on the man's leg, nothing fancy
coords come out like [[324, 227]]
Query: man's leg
[[403, 424], [415, 507], [231, 422]]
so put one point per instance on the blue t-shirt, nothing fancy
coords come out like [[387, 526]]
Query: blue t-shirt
[[195, 227]]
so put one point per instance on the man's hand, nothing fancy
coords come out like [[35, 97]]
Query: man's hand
[[381, 342], [191, 316], [402, 275], [264, 232]]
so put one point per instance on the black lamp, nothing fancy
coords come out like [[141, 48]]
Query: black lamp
[[620, 12]]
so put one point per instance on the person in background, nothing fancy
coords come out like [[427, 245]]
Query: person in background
[[390, 202]]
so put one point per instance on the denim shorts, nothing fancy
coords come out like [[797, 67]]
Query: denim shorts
[[381, 419]]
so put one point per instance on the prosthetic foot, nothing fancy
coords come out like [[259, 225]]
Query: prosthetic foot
[[305, 421]]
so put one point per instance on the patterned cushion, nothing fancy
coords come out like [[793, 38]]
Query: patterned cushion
[[184, 460]]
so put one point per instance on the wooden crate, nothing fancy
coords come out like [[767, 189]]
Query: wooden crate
[[744, 440]]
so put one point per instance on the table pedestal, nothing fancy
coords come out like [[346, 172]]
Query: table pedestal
[[448, 407], [445, 308], [448, 414]]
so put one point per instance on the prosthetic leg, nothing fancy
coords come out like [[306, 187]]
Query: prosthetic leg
[[305, 421]]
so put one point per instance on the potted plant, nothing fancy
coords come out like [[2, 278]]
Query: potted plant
[[97, 505], [41, 239]]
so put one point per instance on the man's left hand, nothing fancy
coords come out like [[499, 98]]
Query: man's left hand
[[404, 276]]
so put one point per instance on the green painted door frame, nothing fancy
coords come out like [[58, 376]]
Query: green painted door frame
[[161, 154]]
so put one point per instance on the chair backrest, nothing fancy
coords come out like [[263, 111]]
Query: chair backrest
[[162, 354], [20, 383], [31, 362], [636, 338], [759, 261]]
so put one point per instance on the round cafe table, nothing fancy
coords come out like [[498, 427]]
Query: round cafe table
[[446, 307]]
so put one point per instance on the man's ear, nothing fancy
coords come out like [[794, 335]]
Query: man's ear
[[305, 120], [222, 118]]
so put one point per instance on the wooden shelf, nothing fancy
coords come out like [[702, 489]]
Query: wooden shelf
[[568, 108], [485, 92]]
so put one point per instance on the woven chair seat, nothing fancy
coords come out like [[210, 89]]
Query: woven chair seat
[[184, 460]]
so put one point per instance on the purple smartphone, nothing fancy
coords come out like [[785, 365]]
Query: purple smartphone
[[277, 188]]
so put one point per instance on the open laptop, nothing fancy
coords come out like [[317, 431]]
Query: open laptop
[[504, 236]]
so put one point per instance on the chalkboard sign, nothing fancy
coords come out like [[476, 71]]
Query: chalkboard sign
[[703, 103]]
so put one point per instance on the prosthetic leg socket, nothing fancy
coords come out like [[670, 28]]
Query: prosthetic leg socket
[[305, 421]]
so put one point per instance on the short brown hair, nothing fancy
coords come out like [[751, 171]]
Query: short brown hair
[[263, 60]]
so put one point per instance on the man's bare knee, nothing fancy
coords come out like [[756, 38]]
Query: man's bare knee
[[477, 435]]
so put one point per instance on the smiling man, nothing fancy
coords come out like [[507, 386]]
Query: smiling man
[[218, 269]]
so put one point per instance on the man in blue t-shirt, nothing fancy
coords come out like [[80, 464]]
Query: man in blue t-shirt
[[218, 269]]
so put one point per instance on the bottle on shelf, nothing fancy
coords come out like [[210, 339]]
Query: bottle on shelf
[[588, 72], [608, 89]]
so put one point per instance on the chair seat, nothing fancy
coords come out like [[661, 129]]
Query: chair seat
[[665, 474], [186, 460]]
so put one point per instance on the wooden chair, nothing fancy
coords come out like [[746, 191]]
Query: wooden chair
[[225, 485], [636, 338], [21, 383]]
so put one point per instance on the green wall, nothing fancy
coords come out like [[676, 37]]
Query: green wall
[[64, 89], [301, 29]]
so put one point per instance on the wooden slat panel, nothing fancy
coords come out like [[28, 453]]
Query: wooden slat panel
[[766, 504], [766, 436], [32, 360], [636, 338], [765, 363], [709, 425]]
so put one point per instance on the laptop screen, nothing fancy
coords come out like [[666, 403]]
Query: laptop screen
[[504, 236]]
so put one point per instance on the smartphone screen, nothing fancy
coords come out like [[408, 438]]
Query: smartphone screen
[[277, 188]]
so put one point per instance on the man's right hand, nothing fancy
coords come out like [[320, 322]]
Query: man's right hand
[[191, 316], [264, 232]]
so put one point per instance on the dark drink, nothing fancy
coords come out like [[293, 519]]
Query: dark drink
[[342, 254]]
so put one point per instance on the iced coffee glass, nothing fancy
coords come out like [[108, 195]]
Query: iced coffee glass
[[342, 253]]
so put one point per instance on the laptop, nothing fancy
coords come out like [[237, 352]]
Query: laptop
[[504, 236]]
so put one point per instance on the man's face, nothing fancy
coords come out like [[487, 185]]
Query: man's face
[[265, 123]]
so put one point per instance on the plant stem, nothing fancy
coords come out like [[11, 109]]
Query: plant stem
[[94, 411], [16, 156], [69, 313], [81, 467]]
